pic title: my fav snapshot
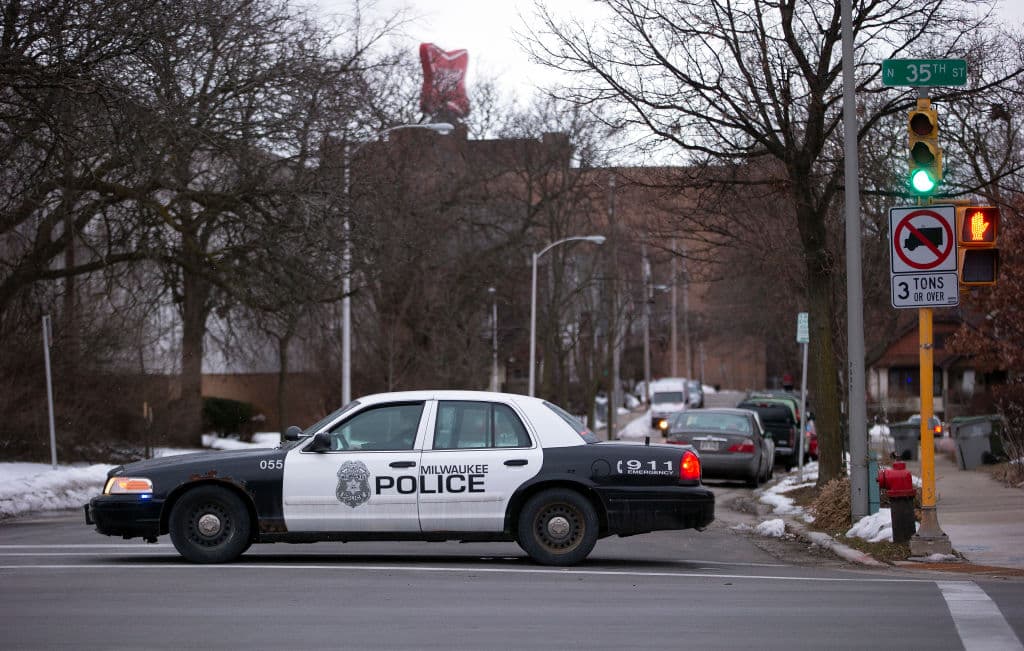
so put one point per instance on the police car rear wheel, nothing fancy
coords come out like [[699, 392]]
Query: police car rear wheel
[[210, 524], [558, 527]]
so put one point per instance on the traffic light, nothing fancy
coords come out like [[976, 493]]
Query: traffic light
[[925, 154], [977, 229]]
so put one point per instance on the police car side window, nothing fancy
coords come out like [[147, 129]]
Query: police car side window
[[508, 429], [388, 427], [467, 425]]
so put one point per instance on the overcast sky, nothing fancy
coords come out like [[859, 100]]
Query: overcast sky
[[486, 28]]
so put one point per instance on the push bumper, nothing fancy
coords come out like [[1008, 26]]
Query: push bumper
[[124, 515], [643, 509]]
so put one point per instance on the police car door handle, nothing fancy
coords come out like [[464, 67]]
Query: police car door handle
[[403, 464], [516, 462]]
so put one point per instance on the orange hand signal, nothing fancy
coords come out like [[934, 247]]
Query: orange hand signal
[[978, 226]]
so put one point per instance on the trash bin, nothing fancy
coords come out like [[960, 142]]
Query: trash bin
[[972, 440], [905, 438]]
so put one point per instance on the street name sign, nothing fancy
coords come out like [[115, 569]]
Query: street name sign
[[923, 258], [803, 331], [924, 72]]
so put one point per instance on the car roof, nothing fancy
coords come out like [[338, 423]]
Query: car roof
[[669, 383], [548, 426]]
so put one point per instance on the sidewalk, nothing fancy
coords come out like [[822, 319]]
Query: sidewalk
[[983, 519]]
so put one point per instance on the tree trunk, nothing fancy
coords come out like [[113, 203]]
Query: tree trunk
[[195, 294], [282, 380], [822, 371]]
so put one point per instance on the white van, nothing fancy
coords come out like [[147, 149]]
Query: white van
[[668, 396]]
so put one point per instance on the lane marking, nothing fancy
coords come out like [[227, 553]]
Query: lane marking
[[463, 570], [978, 620], [92, 546], [159, 547], [141, 552]]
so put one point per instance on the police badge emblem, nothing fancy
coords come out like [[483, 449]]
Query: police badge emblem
[[353, 483]]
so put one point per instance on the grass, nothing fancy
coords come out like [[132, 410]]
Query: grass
[[830, 506]]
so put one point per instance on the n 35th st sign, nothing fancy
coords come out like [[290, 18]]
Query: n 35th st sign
[[924, 72]]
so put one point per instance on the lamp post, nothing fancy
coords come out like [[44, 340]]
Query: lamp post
[[494, 338], [596, 239], [442, 128]]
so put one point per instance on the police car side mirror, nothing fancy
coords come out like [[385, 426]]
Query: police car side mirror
[[321, 443], [293, 433]]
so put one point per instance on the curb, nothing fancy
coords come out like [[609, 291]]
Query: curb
[[837, 548]]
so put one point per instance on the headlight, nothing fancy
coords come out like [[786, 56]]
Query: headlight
[[127, 486]]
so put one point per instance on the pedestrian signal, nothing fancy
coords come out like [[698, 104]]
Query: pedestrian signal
[[977, 230]]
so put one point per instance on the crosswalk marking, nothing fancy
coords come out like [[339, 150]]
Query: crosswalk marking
[[978, 620]]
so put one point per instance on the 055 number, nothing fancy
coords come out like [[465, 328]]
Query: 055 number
[[271, 464]]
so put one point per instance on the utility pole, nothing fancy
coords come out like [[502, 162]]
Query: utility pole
[[857, 429]]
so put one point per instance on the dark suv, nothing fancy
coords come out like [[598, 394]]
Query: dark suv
[[779, 421]]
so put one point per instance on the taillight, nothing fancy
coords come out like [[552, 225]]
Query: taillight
[[746, 446], [689, 467], [938, 430]]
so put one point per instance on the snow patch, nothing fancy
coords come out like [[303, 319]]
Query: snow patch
[[28, 487], [874, 528], [771, 528]]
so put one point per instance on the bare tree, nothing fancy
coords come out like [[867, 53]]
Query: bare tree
[[726, 83]]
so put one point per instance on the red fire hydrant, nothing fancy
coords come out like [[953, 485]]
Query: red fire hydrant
[[899, 484]]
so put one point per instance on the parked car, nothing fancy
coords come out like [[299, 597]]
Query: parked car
[[812, 438], [696, 390], [778, 418], [733, 443], [934, 422], [416, 465], [668, 396]]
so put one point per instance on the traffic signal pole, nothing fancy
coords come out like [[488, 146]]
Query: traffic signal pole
[[929, 539]]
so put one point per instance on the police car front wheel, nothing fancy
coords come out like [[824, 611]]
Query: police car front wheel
[[558, 527], [210, 524]]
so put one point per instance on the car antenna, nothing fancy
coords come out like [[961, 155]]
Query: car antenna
[[647, 440]]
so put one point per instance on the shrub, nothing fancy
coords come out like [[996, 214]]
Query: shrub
[[226, 416], [831, 509]]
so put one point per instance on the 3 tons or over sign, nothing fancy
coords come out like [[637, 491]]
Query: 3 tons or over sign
[[923, 256]]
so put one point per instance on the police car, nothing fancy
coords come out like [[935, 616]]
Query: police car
[[422, 465]]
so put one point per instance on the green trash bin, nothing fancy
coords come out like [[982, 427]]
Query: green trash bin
[[905, 440]]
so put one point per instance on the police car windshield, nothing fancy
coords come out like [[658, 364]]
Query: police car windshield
[[573, 422], [320, 424]]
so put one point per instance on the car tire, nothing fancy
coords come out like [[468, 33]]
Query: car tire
[[557, 527], [210, 524]]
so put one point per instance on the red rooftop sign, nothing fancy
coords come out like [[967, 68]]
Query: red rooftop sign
[[444, 81]]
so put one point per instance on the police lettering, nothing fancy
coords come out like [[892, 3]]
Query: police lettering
[[431, 484]]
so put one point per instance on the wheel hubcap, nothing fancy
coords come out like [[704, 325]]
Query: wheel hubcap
[[558, 527], [209, 524]]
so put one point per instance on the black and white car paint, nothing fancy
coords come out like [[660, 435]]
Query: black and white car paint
[[421, 465]]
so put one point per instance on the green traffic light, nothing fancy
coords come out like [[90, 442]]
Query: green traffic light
[[922, 182]]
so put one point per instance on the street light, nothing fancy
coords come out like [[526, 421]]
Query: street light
[[442, 128], [494, 338], [596, 239]]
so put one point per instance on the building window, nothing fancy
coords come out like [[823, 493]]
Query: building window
[[906, 381]]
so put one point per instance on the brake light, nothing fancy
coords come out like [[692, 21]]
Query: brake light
[[746, 446], [689, 467], [938, 429]]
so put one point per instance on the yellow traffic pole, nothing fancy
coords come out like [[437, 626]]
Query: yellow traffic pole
[[929, 539]]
